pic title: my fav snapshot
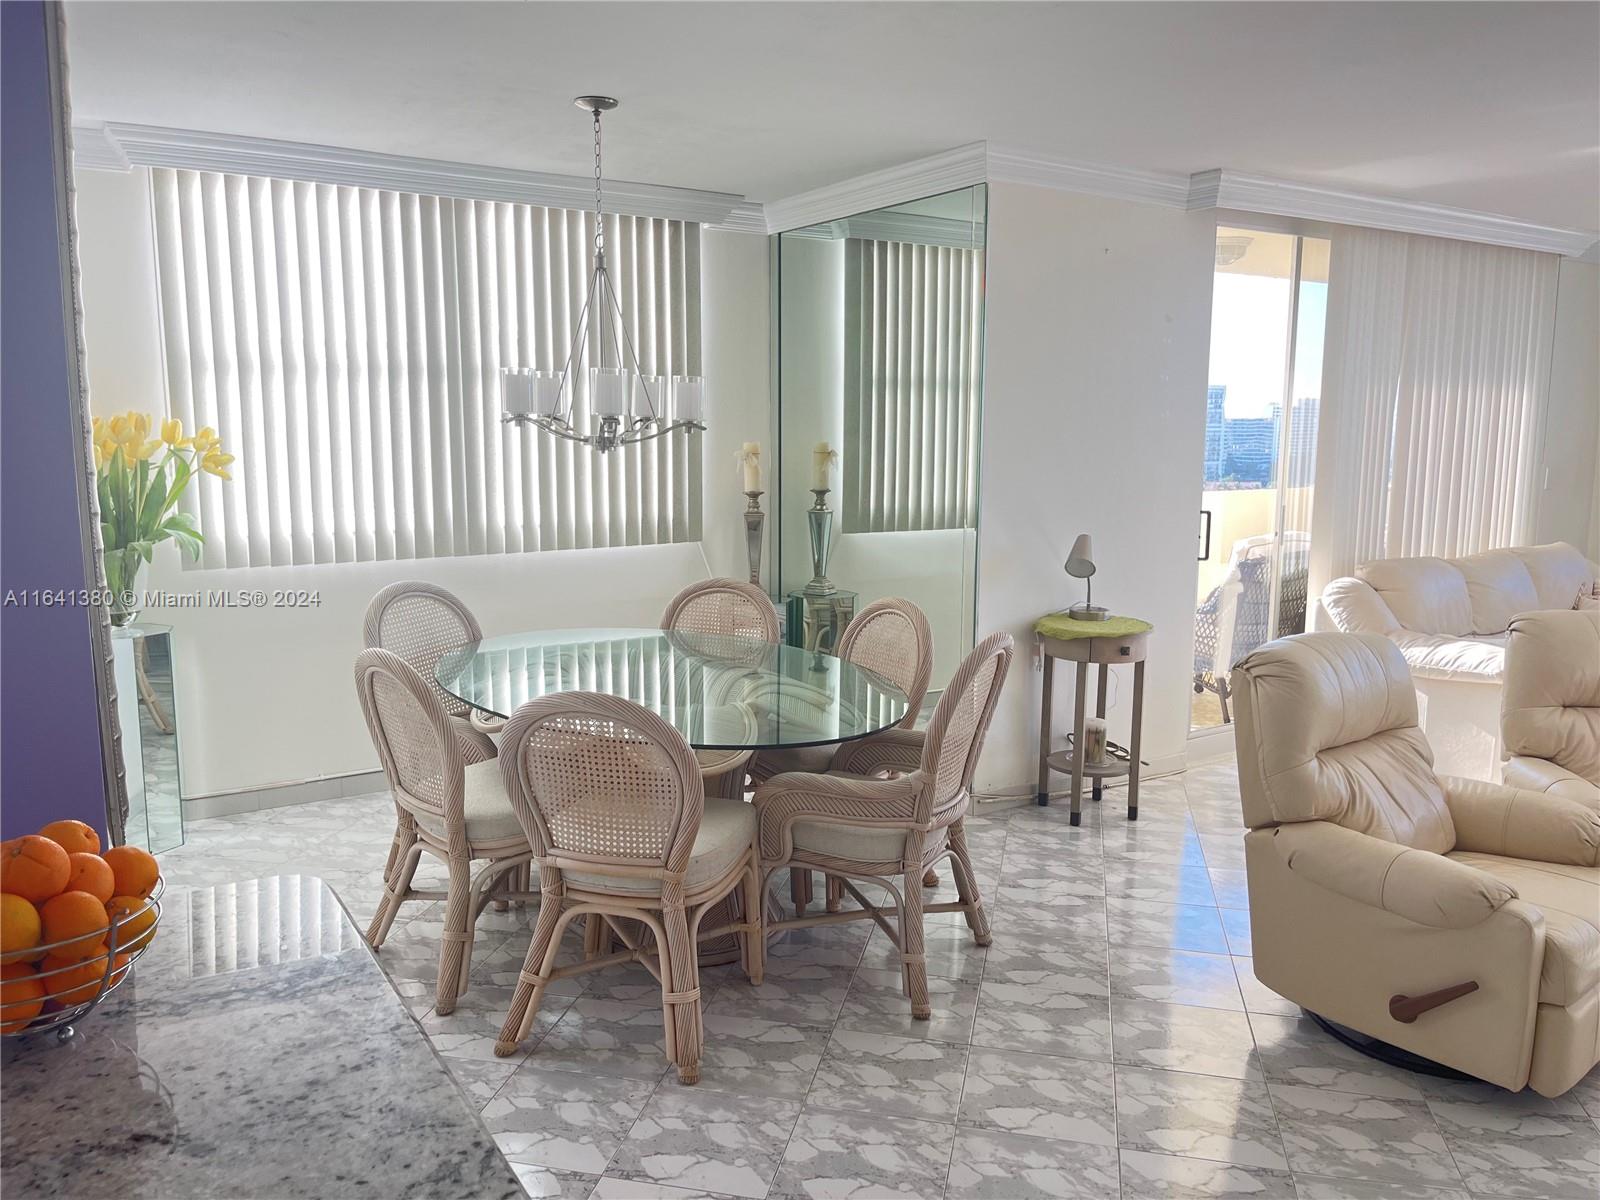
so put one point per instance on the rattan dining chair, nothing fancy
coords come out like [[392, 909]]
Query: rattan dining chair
[[611, 797], [892, 638], [858, 827], [421, 622], [444, 806], [727, 608]]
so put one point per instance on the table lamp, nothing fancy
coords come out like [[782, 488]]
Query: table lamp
[[1080, 565]]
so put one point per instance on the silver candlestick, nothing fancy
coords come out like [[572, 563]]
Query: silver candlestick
[[754, 522], [819, 520]]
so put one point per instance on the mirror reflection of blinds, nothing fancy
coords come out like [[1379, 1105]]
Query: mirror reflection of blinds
[[346, 343], [912, 318]]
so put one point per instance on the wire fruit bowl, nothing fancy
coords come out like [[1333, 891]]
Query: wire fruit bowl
[[112, 977]]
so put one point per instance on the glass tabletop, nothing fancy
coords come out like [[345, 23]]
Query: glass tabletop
[[721, 693]]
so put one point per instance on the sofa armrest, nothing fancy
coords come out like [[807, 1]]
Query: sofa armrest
[[1541, 775], [1493, 818], [1415, 884], [1355, 607]]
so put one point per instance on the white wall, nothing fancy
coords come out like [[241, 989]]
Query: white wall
[[1569, 505], [265, 696], [1094, 414]]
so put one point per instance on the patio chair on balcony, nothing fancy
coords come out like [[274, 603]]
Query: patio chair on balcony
[[1234, 619]]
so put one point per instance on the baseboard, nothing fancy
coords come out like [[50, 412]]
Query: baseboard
[[282, 795]]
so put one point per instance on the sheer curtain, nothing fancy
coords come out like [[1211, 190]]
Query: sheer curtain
[[346, 344], [1435, 385], [912, 324]]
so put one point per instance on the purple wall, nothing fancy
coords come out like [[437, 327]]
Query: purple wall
[[50, 764]]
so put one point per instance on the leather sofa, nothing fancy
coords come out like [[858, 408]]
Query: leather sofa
[[1550, 709], [1449, 617], [1457, 919]]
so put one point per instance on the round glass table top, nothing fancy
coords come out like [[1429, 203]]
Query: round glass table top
[[721, 693]]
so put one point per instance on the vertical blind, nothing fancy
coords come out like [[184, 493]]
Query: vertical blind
[[346, 344], [913, 319], [1435, 388]]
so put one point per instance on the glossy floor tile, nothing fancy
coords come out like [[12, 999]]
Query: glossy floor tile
[[1113, 1041]]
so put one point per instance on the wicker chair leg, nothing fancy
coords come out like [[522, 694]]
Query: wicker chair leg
[[835, 887], [396, 887], [800, 889], [753, 944], [680, 994], [967, 886], [913, 956], [540, 958], [457, 933]]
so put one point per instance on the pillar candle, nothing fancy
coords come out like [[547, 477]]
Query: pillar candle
[[750, 457], [821, 465]]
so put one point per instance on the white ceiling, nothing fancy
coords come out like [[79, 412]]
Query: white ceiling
[[1492, 106]]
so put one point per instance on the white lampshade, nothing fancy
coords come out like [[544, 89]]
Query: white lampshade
[[1080, 563], [516, 391], [649, 396], [546, 392], [688, 398], [609, 389]]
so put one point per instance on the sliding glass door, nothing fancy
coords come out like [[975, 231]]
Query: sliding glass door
[[1269, 300]]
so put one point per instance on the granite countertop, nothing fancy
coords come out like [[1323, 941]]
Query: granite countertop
[[258, 1051]]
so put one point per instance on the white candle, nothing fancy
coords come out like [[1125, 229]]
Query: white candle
[[516, 391], [688, 398], [750, 456], [610, 391], [547, 393], [821, 466], [649, 397]]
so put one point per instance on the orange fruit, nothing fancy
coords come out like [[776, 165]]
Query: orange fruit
[[119, 968], [19, 928], [92, 874], [70, 981], [137, 929], [34, 868], [21, 996], [73, 836], [76, 920], [136, 870]]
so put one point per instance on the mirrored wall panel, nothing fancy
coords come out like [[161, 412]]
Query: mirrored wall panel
[[880, 391]]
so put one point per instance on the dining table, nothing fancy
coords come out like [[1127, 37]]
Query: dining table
[[722, 693]]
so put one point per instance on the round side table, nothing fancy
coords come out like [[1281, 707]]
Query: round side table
[[1114, 641]]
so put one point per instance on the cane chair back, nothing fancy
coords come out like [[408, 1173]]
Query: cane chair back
[[961, 720], [420, 754], [421, 623], [891, 637], [599, 780], [724, 607]]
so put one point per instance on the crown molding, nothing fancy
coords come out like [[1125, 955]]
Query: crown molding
[[1013, 164], [945, 172], [892, 226], [186, 149], [93, 147], [745, 217], [1285, 198]]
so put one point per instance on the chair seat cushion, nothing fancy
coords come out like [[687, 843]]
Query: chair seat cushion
[[854, 843], [1441, 656], [727, 830], [490, 821], [1569, 897]]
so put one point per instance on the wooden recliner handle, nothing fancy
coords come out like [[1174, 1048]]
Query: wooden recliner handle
[[1407, 1009]]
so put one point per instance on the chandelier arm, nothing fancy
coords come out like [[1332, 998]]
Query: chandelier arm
[[627, 339], [568, 381], [660, 431]]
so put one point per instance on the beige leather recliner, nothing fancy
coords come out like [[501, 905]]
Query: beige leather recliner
[[1550, 711], [1454, 918]]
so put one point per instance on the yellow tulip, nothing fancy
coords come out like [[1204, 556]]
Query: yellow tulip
[[206, 440], [119, 427], [99, 457], [141, 422], [140, 451], [97, 428], [172, 433]]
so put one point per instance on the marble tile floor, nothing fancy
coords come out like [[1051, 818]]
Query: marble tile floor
[[1113, 1042]]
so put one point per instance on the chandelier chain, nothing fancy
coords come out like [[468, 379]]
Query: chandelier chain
[[599, 220]]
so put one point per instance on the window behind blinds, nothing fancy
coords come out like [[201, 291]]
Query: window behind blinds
[[913, 319], [346, 344]]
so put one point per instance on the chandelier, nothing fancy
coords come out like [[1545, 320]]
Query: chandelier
[[628, 405]]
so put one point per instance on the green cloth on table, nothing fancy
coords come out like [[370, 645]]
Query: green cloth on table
[[1064, 628]]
